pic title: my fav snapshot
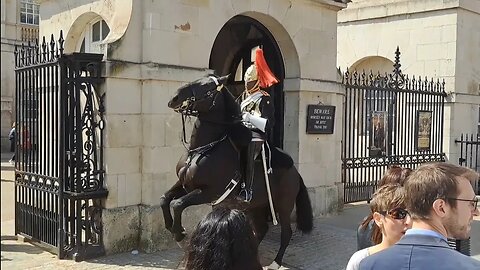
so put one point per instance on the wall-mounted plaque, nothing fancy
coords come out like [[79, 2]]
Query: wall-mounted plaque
[[320, 119], [423, 130]]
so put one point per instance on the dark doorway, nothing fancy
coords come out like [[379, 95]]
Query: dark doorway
[[232, 54]]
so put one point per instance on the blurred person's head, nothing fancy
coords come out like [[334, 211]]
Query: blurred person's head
[[441, 195], [395, 175], [224, 239], [389, 214]]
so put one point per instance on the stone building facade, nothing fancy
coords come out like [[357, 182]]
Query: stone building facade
[[437, 39], [19, 24], [153, 47]]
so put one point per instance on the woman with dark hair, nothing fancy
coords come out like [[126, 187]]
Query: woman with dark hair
[[391, 221], [394, 175], [223, 240]]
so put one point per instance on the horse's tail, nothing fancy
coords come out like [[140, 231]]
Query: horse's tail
[[304, 209]]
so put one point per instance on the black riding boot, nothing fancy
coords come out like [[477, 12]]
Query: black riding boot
[[246, 193]]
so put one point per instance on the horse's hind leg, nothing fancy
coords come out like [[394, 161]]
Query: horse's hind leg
[[286, 233], [175, 192], [195, 197]]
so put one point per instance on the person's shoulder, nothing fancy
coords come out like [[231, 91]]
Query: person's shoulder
[[382, 259], [464, 261], [445, 258], [265, 98], [356, 258]]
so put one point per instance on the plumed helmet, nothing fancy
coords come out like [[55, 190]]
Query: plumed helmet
[[260, 71], [251, 74]]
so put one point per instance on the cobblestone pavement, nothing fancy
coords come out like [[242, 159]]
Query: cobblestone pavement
[[328, 247]]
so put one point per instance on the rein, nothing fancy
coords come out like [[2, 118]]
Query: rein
[[202, 150], [187, 110], [184, 138], [205, 148]]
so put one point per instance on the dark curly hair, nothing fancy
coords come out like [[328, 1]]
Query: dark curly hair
[[223, 240]]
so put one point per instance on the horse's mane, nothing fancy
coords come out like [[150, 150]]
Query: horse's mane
[[239, 134], [232, 108]]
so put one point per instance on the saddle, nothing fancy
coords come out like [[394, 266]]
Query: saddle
[[241, 137], [279, 158]]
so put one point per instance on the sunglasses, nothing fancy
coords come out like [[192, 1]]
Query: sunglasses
[[396, 213]]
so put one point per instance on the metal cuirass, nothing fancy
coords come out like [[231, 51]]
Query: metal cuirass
[[251, 104]]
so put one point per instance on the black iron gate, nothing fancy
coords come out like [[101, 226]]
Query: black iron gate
[[469, 157], [470, 154], [59, 148], [389, 119]]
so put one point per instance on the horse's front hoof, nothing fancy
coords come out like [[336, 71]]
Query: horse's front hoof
[[180, 236], [183, 244], [273, 266]]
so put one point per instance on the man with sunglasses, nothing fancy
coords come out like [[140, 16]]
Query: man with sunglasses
[[442, 203]]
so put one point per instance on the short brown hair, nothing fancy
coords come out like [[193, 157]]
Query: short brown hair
[[387, 197], [395, 175], [433, 181]]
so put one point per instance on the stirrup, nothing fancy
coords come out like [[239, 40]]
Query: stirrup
[[245, 195]]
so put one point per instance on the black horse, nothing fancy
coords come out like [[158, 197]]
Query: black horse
[[213, 160]]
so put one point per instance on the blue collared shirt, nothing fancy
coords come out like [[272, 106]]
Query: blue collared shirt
[[425, 232]]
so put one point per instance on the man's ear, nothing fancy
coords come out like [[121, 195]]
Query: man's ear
[[440, 207], [378, 219]]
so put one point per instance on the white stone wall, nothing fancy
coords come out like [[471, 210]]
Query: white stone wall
[[165, 44], [438, 39], [465, 100]]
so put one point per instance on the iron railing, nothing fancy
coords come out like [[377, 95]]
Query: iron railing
[[390, 119], [470, 154]]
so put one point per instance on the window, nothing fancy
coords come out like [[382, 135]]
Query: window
[[94, 34], [29, 12]]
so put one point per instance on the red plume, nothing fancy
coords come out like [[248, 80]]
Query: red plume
[[265, 75]]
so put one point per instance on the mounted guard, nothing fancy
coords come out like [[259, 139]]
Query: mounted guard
[[210, 175], [258, 114]]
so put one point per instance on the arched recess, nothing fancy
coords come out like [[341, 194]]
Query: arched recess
[[116, 14], [376, 64], [232, 54], [77, 32], [373, 100]]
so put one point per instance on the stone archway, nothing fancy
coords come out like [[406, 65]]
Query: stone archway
[[374, 63], [232, 54], [76, 31]]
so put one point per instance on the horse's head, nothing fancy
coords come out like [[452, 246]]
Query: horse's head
[[197, 96]]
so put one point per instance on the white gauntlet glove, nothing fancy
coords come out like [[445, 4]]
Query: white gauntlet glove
[[254, 120], [246, 117]]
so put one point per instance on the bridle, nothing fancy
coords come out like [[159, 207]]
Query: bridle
[[186, 109]]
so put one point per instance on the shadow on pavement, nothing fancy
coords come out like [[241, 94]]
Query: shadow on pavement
[[13, 246]]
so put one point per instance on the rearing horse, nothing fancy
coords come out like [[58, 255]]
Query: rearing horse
[[213, 160]]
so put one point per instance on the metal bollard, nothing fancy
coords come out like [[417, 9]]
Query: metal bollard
[[462, 246]]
